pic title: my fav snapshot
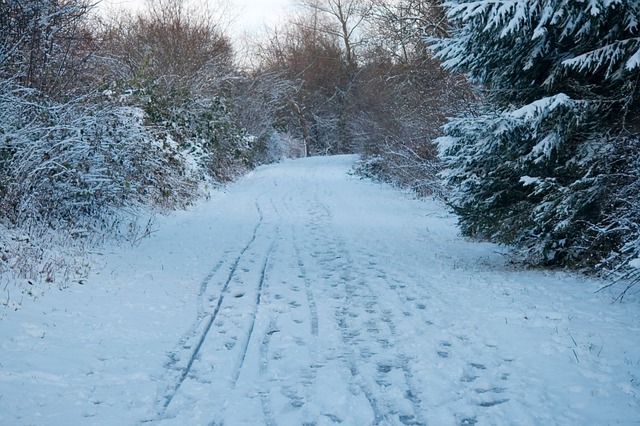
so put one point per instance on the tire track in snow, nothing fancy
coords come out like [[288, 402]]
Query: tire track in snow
[[313, 308], [263, 275], [411, 394], [204, 286], [265, 401], [311, 374], [290, 399], [212, 317], [287, 201]]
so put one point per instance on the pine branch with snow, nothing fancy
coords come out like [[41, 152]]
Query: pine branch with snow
[[546, 165]]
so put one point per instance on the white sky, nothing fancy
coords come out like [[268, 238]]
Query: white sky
[[257, 12], [252, 14]]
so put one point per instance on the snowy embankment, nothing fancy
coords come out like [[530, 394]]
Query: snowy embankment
[[302, 295]]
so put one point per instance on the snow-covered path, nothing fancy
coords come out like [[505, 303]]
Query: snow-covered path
[[305, 296]]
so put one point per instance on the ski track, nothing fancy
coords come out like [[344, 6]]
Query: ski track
[[245, 346], [308, 325], [208, 320]]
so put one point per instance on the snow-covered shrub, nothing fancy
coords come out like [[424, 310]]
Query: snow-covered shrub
[[404, 108], [545, 165], [73, 164], [204, 128], [175, 64], [76, 173], [281, 146], [400, 165], [92, 145]]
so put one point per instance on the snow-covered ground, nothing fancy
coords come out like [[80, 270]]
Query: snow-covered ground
[[302, 295]]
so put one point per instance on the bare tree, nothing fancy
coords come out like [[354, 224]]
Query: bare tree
[[170, 45], [348, 17], [45, 44], [367, 81], [412, 95], [313, 59]]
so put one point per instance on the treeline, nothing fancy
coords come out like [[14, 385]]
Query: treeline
[[105, 119], [363, 81]]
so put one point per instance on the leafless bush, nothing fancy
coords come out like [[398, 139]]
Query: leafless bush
[[406, 95]]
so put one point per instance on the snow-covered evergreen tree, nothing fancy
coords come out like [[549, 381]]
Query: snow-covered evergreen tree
[[545, 163]]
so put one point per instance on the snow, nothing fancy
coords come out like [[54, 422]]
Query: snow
[[635, 263], [528, 180], [541, 106], [302, 294], [633, 62]]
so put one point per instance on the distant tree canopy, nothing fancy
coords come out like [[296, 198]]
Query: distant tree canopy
[[366, 83], [550, 163]]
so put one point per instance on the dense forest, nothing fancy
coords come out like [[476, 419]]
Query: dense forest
[[522, 115]]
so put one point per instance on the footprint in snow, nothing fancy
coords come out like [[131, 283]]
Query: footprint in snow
[[409, 420], [384, 368], [443, 352], [492, 403]]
